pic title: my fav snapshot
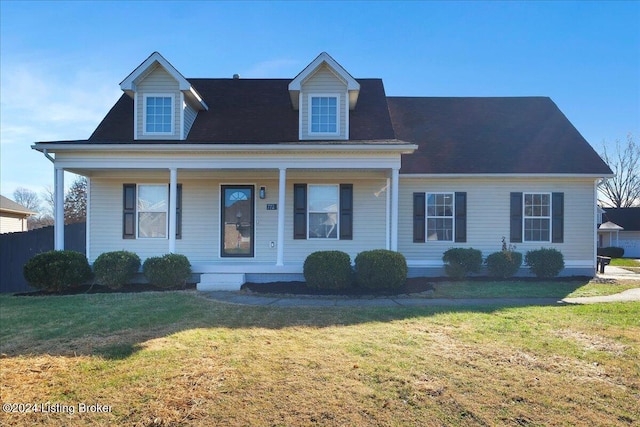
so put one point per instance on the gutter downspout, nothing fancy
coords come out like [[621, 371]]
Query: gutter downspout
[[48, 156]]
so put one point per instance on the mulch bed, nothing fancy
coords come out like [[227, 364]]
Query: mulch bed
[[99, 289], [411, 286]]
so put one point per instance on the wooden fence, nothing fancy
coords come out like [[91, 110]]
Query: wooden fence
[[17, 248]]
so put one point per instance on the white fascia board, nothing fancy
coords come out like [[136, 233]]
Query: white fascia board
[[324, 57], [128, 85], [249, 148], [500, 175], [236, 162]]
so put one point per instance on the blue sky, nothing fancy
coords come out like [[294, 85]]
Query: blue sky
[[61, 62]]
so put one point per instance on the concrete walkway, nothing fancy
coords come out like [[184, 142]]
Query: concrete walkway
[[408, 300]]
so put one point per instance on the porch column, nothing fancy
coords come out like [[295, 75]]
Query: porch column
[[58, 206], [173, 191], [395, 178], [282, 186]]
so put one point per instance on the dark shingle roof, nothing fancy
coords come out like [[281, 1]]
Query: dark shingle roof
[[9, 205], [254, 111], [628, 218], [455, 135], [490, 135]]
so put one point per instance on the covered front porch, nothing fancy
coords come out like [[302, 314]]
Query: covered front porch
[[200, 185]]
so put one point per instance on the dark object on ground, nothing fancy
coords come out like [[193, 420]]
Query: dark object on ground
[[99, 289]]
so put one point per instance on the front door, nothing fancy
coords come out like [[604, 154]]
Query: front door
[[237, 212]]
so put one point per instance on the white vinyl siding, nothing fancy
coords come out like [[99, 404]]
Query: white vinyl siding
[[11, 224], [190, 114], [324, 83], [157, 83], [369, 214], [200, 215], [488, 215]]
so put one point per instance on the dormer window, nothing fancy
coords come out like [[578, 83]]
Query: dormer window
[[324, 114], [158, 114]]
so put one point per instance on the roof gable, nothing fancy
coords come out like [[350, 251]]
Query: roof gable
[[628, 218], [130, 83], [353, 87]]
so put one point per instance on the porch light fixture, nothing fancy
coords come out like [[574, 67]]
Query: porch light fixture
[[263, 192]]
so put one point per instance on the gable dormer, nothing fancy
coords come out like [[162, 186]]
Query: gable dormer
[[324, 93], [165, 103]]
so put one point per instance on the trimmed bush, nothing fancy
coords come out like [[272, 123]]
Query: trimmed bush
[[504, 263], [545, 262], [328, 270], [460, 262], [167, 271], [381, 269], [611, 252], [115, 269], [55, 271]]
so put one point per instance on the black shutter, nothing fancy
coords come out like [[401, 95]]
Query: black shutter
[[128, 211], [516, 218], [461, 217], [419, 218], [179, 212], [346, 211], [557, 217], [299, 211]]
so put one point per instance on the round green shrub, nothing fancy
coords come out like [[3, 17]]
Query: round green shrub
[[56, 271], [328, 270], [115, 269], [381, 269], [167, 271], [504, 263], [460, 262], [545, 262], [611, 252]]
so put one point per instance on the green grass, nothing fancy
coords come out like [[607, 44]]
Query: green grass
[[625, 262], [176, 358], [530, 289]]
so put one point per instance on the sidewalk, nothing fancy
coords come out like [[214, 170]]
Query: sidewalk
[[612, 272], [408, 301]]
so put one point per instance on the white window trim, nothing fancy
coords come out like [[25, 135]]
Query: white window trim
[[337, 186], [525, 217], [427, 216], [144, 113], [166, 225], [338, 114]]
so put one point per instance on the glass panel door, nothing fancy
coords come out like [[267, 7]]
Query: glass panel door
[[237, 213]]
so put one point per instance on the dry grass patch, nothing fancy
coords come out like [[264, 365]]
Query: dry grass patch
[[217, 364]]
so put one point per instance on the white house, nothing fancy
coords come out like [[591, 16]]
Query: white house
[[246, 177]]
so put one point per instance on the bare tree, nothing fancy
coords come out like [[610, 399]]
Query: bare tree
[[27, 198], [623, 190]]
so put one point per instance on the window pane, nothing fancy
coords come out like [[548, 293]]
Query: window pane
[[323, 225], [324, 114], [152, 224], [158, 114], [323, 198], [152, 198], [440, 229], [536, 230]]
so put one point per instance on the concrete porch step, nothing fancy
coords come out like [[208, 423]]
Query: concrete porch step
[[221, 281]]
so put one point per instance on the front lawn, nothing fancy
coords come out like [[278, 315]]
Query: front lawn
[[530, 288], [177, 358]]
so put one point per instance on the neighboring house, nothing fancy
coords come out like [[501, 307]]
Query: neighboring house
[[621, 228], [246, 177], [13, 216]]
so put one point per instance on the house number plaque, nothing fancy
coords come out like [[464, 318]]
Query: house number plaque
[[272, 206]]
